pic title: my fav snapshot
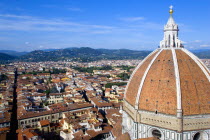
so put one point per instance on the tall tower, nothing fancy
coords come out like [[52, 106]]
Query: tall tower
[[171, 30], [168, 94]]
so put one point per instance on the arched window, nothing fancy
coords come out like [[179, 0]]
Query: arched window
[[197, 136], [156, 133], [169, 41], [174, 45]]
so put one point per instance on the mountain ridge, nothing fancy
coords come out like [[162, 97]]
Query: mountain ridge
[[83, 54]]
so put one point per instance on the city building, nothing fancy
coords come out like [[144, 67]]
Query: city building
[[167, 96]]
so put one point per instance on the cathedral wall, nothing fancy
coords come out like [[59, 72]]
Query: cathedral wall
[[160, 120], [196, 124], [128, 124], [145, 131], [189, 135], [130, 110], [167, 121], [138, 130]]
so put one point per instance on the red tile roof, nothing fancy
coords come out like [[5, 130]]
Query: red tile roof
[[44, 122]]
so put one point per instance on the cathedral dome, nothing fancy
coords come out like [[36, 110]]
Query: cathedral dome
[[168, 94], [169, 80]]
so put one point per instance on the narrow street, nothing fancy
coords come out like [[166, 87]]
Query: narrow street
[[14, 123]]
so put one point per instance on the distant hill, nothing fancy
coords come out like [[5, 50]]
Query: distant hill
[[13, 53], [199, 50], [4, 58], [203, 54], [83, 54], [76, 54]]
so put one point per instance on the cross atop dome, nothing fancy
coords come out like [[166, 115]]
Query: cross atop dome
[[171, 9], [171, 29]]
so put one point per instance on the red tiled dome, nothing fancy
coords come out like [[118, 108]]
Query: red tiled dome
[[168, 80]]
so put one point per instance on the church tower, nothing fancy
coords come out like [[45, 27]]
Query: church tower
[[168, 94]]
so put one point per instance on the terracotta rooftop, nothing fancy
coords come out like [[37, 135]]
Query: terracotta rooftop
[[28, 133], [70, 107], [3, 129], [44, 122], [117, 129]]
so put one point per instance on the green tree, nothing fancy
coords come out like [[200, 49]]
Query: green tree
[[57, 71], [123, 76], [3, 77], [46, 103], [109, 85], [47, 92], [126, 67], [90, 69]]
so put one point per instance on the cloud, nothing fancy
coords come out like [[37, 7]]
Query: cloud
[[29, 23], [14, 16], [132, 19], [66, 32], [197, 41], [11, 22], [4, 38], [147, 26], [204, 45], [185, 27]]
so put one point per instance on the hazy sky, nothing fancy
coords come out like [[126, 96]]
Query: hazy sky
[[27, 25]]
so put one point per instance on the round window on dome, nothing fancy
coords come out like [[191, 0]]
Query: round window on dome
[[197, 136], [156, 133]]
